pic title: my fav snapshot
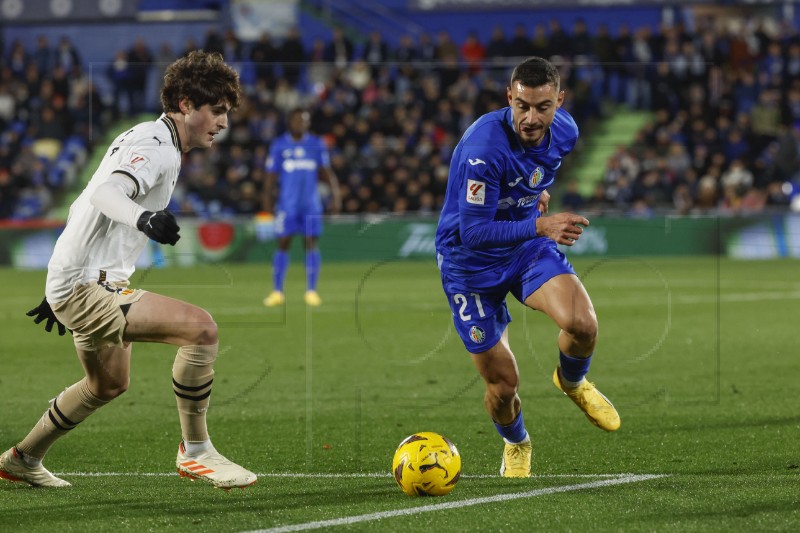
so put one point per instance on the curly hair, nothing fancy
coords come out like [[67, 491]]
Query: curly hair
[[202, 78]]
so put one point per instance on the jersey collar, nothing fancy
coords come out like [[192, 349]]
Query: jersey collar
[[173, 130]]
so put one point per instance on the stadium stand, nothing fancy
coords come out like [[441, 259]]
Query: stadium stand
[[677, 118]]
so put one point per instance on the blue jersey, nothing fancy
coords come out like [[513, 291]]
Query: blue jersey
[[493, 189], [297, 165]]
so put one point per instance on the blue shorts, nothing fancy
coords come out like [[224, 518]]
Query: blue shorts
[[478, 299], [292, 223]]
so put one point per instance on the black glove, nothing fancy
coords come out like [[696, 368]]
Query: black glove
[[159, 226], [43, 312]]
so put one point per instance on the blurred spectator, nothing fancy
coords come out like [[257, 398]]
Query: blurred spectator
[[232, 49], [119, 74], [293, 56], [447, 56], [406, 51], [427, 48], [164, 57], [375, 52], [264, 55], [581, 42], [497, 49], [339, 50], [539, 43], [43, 56], [559, 42], [66, 55], [140, 61], [319, 70], [213, 42], [572, 200], [473, 52]]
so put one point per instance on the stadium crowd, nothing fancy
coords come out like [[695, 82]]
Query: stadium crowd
[[725, 100]]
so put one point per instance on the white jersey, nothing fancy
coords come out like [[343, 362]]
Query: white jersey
[[92, 246]]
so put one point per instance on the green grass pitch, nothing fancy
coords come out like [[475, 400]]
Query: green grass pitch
[[699, 355]]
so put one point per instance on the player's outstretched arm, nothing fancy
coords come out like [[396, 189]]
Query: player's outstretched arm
[[564, 228], [43, 312]]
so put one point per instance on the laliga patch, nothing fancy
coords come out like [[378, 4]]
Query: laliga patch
[[477, 334], [476, 192], [136, 163]]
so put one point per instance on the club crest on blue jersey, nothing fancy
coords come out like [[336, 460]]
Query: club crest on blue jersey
[[477, 334], [536, 177]]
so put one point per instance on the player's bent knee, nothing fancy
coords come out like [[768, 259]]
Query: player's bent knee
[[583, 327], [109, 389], [203, 330]]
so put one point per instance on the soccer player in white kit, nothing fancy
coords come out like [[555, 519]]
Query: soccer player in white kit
[[87, 290]]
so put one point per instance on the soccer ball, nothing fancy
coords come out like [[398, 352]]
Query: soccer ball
[[426, 464]]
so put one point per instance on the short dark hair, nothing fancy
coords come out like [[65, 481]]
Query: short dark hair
[[536, 71], [202, 78]]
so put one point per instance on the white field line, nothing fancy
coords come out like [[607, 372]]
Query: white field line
[[302, 475], [349, 520]]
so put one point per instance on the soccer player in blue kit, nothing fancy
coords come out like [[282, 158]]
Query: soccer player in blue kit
[[299, 160], [493, 238]]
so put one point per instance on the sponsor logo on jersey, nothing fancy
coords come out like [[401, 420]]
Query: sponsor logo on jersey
[[505, 203], [477, 334], [514, 183], [536, 177], [290, 165], [476, 192], [509, 202], [136, 163], [476, 161]]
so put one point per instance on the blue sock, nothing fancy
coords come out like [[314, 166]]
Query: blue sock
[[280, 263], [515, 432], [574, 368], [313, 262]]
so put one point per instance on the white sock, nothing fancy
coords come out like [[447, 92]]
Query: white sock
[[571, 384], [196, 448], [526, 439]]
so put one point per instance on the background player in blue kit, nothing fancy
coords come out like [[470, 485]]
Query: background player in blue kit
[[298, 160], [492, 239]]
